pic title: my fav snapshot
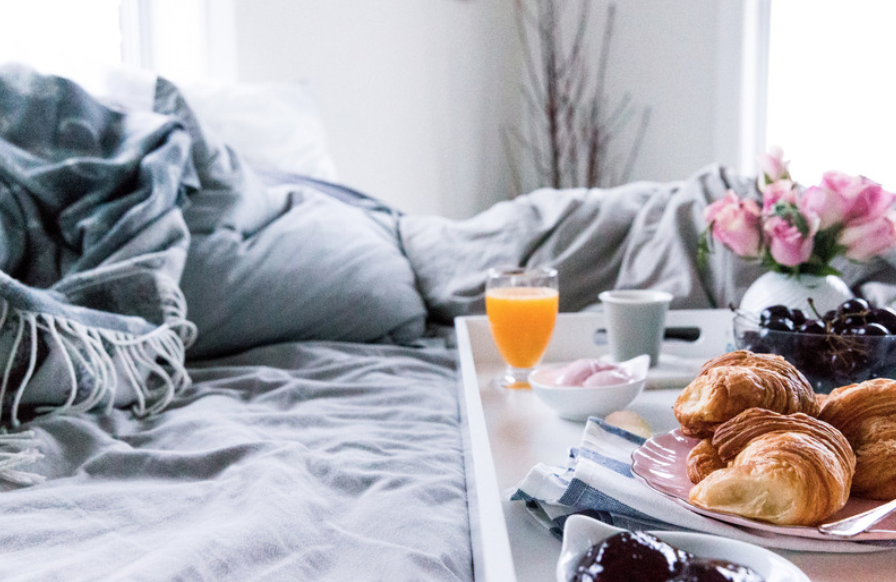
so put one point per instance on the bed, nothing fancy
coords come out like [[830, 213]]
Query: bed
[[221, 364]]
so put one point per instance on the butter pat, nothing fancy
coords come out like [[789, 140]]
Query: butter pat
[[631, 422]]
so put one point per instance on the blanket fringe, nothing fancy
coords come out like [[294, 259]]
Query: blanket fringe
[[99, 360]]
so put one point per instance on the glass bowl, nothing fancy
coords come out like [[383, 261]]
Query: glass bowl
[[828, 361]]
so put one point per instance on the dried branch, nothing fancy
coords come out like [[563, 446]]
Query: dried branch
[[571, 128]]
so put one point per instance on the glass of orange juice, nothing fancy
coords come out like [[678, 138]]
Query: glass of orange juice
[[522, 307]]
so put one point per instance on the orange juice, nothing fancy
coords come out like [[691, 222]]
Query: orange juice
[[522, 321]]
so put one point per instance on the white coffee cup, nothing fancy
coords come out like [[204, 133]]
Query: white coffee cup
[[635, 320]]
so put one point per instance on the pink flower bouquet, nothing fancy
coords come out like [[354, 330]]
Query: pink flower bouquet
[[800, 230]]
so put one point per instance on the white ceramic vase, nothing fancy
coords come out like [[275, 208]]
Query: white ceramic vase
[[794, 292]]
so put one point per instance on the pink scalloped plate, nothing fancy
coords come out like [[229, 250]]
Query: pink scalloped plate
[[661, 463]]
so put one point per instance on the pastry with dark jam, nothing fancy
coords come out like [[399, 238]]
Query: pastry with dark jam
[[640, 556]]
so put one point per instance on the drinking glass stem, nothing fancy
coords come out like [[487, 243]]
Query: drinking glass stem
[[516, 378]]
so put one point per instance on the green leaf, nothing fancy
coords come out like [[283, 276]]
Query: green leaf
[[789, 212], [826, 244], [704, 248]]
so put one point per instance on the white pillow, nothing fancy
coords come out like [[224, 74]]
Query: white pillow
[[274, 126]]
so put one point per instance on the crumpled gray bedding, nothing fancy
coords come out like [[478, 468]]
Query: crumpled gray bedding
[[285, 461], [297, 461], [639, 235]]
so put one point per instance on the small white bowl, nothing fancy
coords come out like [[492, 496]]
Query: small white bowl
[[581, 532], [580, 402]]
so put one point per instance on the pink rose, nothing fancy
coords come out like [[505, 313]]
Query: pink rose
[[826, 204], [776, 192], [856, 198], [868, 239], [736, 223], [772, 167], [786, 244]]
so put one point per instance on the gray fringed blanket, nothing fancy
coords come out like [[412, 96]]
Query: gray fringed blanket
[[92, 247]]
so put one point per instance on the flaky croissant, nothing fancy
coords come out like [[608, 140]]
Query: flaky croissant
[[866, 415], [783, 469], [703, 459], [733, 382]]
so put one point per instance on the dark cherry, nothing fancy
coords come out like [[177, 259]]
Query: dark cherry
[[830, 315], [884, 316], [868, 329], [779, 324], [853, 320], [774, 312], [876, 329], [844, 362], [854, 305], [840, 326], [813, 326], [808, 351], [798, 317]]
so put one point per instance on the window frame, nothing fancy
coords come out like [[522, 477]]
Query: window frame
[[742, 82], [143, 32]]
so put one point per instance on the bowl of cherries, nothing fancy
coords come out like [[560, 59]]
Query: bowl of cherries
[[853, 343]]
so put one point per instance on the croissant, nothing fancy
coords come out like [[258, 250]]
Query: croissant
[[866, 415], [784, 469], [736, 381], [703, 460]]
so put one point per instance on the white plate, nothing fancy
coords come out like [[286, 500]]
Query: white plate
[[661, 463], [582, 532]]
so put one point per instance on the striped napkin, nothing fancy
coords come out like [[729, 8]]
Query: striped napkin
[[597, 481]]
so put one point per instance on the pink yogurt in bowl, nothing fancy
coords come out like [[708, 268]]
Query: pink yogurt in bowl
[[590, 387], [586, 372]]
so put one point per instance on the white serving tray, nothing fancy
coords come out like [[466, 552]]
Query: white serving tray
[[507, 432], [522, 431]]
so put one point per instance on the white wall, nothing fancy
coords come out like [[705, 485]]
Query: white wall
[[665, 56], [415, 94]]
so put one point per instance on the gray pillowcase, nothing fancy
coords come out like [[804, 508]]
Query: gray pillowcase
[[321, 270], [277, 258]]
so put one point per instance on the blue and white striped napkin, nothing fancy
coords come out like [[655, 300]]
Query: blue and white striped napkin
[[597, 480]]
